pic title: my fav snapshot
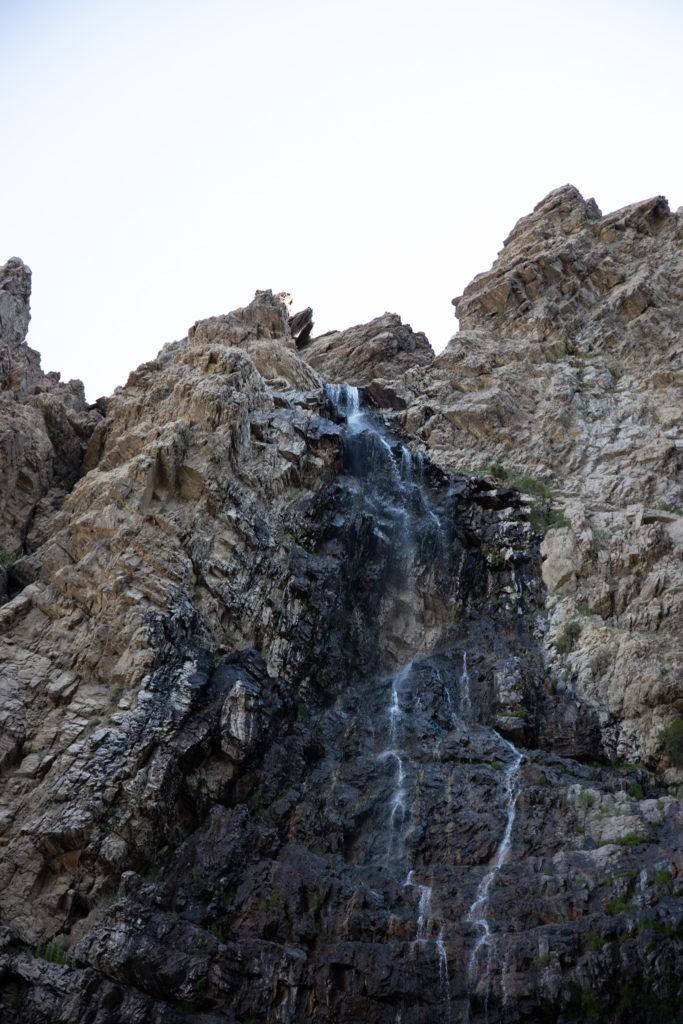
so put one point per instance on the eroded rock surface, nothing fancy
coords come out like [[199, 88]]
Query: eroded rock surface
[[293, 725], [568, 370], [45, 426], [359, 355]]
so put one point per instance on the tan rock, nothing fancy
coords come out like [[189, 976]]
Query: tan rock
[[359, 355], [44, 424], [568, 368]]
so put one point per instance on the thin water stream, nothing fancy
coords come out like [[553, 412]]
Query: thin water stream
[[402, 703], [478, 911]]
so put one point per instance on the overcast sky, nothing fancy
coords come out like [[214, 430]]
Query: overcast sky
[[163, 160]]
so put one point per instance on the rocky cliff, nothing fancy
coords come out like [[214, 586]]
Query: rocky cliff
[[328, 704]]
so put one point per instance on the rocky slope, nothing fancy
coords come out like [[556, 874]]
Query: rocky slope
[[44, 426], [294, 722], [568, 369]]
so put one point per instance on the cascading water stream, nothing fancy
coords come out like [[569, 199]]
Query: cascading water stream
[[391, 481], [478, 911], [430, 932], [465, 697]]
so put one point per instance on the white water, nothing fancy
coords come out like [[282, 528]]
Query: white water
[[465, 696], [444, 979], [504, 980], [426, 925], [406, 465], [395, 712], [347, 400], [478, 911], [397, 806], [424, 911], [408, 471]]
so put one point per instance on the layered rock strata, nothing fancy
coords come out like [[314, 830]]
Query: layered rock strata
[[368, 352], [288, 732], [568, 372], [45, 426]]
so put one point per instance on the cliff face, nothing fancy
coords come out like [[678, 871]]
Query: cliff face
[[300, 721], [44, 425], [569, 369]]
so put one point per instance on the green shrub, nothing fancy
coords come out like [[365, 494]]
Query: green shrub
[[666, 507], [636, 791], [272, 901], [542, 517], [595, 940], [557, 519], [498, 470], [632, 839], [529, 485], [614, 907], [567, 639], [52, 952], [672, 738]]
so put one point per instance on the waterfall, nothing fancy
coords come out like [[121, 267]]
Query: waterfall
[[406, 465], [395, 712], [397, 808], [465, 697], [392, 490], [478, 911]]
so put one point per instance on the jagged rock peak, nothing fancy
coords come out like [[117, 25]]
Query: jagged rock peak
[[266, 316], [15, 293], [383, 348], [567, 271], [564, 211], [265, 330], [46, 424]]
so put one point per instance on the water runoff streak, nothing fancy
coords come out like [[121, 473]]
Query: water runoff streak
[[412, 501], [478, 911], [407, 500]]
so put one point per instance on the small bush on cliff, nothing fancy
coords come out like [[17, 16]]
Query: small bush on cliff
[[672, 738], [497, 470], [570, 634], [52, 952], [529, 485], [595, 940], [522, 481], [541, 516]]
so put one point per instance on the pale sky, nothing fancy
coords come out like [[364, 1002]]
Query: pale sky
[[163, 160]]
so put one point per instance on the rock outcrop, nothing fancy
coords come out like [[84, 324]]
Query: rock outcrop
[[299, 721], [568, 371], [359, 355], [45, 426]]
